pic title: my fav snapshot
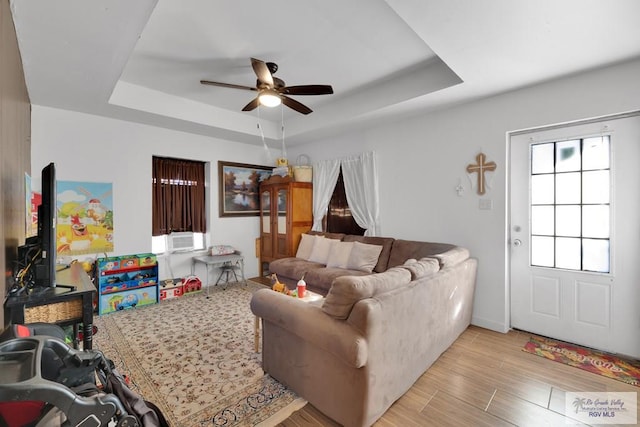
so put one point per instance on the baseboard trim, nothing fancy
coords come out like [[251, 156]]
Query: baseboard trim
[[490, 324]]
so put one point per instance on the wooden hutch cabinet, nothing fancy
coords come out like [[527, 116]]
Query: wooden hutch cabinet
[[286, 212]]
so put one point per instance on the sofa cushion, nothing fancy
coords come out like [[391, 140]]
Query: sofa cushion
[[403, 250], [335, 236], [322, 279], [347, 290], [339, 256], [363, 257], [293, 267], [385, 242], [452, 256], [422, 268], [306, 246], [321, 249]]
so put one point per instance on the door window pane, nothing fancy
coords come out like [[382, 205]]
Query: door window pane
[[568, 188], [542, 251], [595, 153], [568, 156], [595, 187], [595, 255], [542, 158], [542, 220], [568, 253], [595, 221], [542, 189], [568, 221]]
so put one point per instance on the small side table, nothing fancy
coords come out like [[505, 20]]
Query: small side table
[[231, 261]]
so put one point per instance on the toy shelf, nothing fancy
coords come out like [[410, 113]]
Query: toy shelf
[[128, 288], [126, 282], [127, 270]]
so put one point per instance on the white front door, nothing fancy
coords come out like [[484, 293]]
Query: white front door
[[575, 233]]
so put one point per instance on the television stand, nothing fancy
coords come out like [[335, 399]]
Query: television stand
[[69, 303], [46, 291], [71, 288]]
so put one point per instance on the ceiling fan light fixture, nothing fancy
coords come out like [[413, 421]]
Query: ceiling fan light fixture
[[269, 98], [272, 91]]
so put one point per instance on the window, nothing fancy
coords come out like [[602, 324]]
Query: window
[[339, 218], [178, 199], [570, 204]]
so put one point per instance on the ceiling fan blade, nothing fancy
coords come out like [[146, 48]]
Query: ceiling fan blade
[[292, 103], [229, 85], [262, 71], [307, 90], [252, 105]]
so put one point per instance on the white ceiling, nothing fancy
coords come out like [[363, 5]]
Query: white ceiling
[[142, 60]]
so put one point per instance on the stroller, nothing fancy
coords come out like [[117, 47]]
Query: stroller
[[45, 382]]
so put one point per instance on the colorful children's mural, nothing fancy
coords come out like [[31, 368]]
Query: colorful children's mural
[[36, 200], [32, 201], [85, 217]]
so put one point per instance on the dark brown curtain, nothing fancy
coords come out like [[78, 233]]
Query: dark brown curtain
[[178, 196], [339, 218]]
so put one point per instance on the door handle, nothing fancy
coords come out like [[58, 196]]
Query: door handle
[[517, 242]]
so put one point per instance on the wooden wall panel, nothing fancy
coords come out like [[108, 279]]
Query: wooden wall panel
[[15, 145]]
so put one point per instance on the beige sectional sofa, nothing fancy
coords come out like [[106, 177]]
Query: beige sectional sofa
[[319, 275], [355, 352]]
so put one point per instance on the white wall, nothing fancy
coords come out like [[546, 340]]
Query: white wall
[[96, 149], [421, 160]]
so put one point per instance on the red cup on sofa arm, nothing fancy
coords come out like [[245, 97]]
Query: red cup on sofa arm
[[302, 287]]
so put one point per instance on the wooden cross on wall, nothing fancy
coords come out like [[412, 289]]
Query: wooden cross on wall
[[481, 167]]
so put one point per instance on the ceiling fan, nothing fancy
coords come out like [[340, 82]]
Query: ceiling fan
[[272, 91]]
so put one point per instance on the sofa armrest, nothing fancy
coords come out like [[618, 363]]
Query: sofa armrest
[[309, 322]]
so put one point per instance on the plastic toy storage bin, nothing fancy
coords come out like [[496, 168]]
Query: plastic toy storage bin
[[117, 301], [126, 282]]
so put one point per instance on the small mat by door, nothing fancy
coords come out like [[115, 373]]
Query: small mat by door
[[608, 365]]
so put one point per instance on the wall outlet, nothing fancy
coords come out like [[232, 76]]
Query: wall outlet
[[485, 204]]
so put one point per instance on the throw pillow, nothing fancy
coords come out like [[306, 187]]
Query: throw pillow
[[321, 249], [339, 256], [306, 246], [363, 257]]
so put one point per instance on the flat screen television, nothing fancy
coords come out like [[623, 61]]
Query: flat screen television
[[45, 266]]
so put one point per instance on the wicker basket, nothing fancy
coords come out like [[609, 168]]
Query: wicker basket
[[57, 312], [303, 172]]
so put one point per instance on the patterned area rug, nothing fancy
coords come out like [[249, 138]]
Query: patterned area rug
[[193, 356], [608, 365]]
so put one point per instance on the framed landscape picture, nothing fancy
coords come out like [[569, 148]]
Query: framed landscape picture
[[239, 188]]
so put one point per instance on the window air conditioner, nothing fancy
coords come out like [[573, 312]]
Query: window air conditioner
[[181, 242]]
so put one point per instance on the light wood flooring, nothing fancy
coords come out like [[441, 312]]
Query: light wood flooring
[[485, 379]]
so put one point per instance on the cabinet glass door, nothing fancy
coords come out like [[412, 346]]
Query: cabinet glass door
[[266, 242], [282, 248], [282, 211], [265, 211]]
